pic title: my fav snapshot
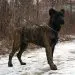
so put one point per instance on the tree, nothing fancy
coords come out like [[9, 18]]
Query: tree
[[5, 16]]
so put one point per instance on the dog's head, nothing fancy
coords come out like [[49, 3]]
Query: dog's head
[[57, 17]]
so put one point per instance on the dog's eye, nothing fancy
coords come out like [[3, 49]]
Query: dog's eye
[[57, 16], [61, 14]]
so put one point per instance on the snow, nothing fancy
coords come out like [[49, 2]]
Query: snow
[[64, 58]]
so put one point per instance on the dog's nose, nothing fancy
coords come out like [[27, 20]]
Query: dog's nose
[[62, 22]]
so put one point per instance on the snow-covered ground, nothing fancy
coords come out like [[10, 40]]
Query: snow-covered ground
[[64, 58]]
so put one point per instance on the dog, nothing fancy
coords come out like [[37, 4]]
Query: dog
[[43, 35]]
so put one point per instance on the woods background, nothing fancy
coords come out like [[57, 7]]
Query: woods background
[[15, 13]]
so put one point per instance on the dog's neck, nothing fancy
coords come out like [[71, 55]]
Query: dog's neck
[[54, 26]]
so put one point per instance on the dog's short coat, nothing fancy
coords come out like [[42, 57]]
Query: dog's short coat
[[42, 35]]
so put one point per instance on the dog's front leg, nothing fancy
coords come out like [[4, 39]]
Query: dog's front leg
[[49, 52]]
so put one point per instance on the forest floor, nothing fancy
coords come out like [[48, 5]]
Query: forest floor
[[36, 62]]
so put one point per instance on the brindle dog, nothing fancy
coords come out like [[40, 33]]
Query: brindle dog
[[42, 35]]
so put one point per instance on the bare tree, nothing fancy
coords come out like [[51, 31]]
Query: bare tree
[[5, 16]]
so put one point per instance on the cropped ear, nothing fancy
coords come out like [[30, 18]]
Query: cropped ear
[[63, 11], [52, 12]]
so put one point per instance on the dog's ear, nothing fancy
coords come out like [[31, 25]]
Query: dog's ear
[[52, 12], [63, 11]]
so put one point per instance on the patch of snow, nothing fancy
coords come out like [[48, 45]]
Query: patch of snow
[[71, 36], [35, 1], [64, 58]]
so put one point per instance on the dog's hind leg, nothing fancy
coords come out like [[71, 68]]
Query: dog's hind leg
[[14, 49], [23, 46], [16, 45]]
